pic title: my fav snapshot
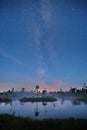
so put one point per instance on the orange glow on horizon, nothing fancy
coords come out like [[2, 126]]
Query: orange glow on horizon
[[56, 86]]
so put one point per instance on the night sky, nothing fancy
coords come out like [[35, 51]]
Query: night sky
[[43, 42]]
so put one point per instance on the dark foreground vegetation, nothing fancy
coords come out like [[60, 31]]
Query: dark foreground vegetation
[[38, 99], [6, 100], [10, 122]]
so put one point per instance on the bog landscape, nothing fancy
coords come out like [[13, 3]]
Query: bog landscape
[[43, 64], [43, 108]]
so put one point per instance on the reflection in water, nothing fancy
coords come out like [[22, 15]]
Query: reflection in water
[[22, 103], [44, 104], [11, 108], [78, 101], [54, 104], [36, 110], [62, 101], [60, 109], [75, 102]]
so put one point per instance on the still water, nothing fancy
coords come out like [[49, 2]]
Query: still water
[[59, 109]]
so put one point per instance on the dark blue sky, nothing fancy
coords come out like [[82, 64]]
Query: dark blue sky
[[43, 42]]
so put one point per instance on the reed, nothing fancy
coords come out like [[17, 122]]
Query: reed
[[10, 122]]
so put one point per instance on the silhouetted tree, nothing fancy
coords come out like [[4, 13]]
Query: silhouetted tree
[[44, 91], [84, 88], [73, 90], [12, 90], [9, 91], [23, 89], [84, 85], [79, 91], [37, 87], [61, 90]]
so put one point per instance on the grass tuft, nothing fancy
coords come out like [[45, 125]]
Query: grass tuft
[[39, 99], [5, 100], [10, 122]]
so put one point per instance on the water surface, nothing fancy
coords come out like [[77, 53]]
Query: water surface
[[40, 110]]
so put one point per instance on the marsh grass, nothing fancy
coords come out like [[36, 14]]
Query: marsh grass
[[5, 100], [10, 122], [39, 99]]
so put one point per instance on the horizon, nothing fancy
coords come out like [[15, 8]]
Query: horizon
[[41, 88]]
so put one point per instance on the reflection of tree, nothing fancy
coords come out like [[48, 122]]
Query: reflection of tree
[[11, 109], [44, 104], [22, 103], [85, 101], [62, 101], [36, 110], [76, 102], [54, 105]]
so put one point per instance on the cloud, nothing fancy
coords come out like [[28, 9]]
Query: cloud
[[8, 56]]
